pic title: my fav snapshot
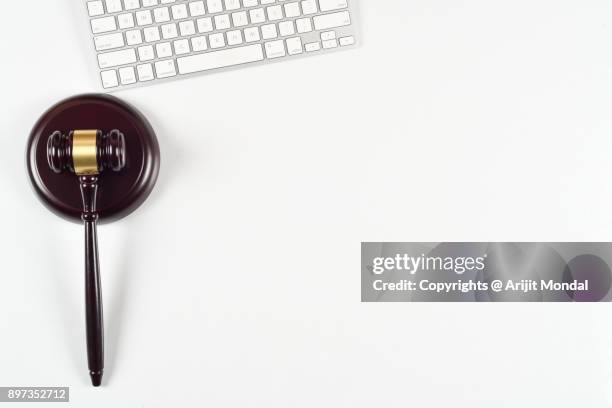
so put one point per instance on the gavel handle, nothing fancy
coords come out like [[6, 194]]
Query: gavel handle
[[93, 290]]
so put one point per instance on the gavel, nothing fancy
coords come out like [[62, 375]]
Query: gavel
[[87, 154]]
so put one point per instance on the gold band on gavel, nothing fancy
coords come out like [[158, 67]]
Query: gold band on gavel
[[85, 152]]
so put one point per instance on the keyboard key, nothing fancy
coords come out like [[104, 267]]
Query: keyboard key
[[257, 16], [109, 41], [234, 37], [222, 22], [309, 7], [232, 4], [249, 3], [286, 28], [115, 58], [196, 8], [149, 3], [127, 75], [328, 35], [169, 31], [145, 53], [214, 6], [165, 69], [103, 25], [161, 14], [216, 40], [181, 46], [220, 59], [113, 6], [131, 4], [133, 37], [275, 49], [187, 28], [328, 21], [125, 20], [329, 5], [304, 25], [179, 12], [109, 79], [145, 72], [251, 34], [240, 19], [275, 13], [292, 9], [95, 8], [199, 43], [294, 45], [344, 41], [151, 34], [315, 46], [143, 17], [330, 43], [268, 31], [164, 50], [205, 25]]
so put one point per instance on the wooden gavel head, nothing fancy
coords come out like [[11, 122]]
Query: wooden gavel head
[[86, 152]]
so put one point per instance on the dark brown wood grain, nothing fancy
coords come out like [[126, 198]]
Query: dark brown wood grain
[[120, 193], [127, 159], [94, 321]]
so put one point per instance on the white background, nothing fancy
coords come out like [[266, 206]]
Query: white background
[[238, 283]]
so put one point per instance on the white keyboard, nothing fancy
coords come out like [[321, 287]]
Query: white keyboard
[[146, 41]]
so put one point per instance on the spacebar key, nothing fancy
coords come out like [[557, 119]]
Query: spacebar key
[[220, 59]]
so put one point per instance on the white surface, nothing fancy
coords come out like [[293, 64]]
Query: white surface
[[456, 120]]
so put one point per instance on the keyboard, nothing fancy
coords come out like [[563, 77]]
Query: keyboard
[[141, 42]]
